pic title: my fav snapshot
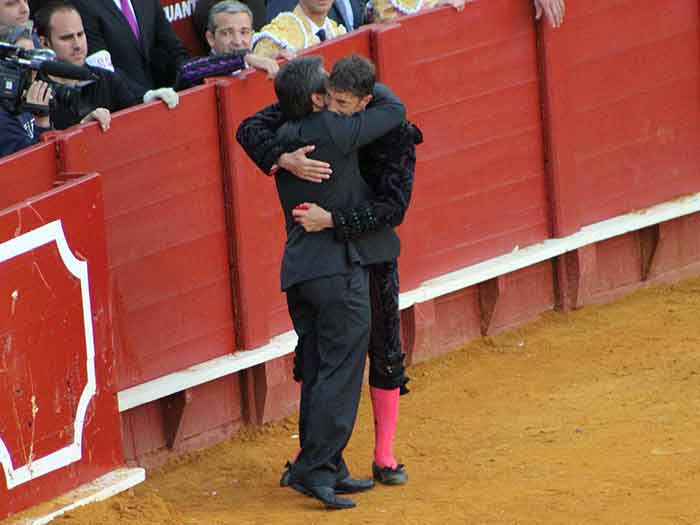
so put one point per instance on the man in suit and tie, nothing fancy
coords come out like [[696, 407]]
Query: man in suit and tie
[[139, 38], [326, 280], [307, 25]]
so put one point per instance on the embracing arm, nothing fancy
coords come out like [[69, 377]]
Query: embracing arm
[[388, 166], [258, 137]]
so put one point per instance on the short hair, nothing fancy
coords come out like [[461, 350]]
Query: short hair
[[296, 81], [231, 7], [12, 34], [353, 74], [42, 19]]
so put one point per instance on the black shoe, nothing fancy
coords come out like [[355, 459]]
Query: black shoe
[[390, 476], [325, 495], [284, 480], [351, 486]]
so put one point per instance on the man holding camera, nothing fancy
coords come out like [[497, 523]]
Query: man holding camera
[[60, 29], [23, 129]]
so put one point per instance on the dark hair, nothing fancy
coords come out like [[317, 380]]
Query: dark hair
[[296, 81], [42, 19], [353, 74]]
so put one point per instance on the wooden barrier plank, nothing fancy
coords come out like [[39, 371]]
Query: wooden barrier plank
[[27, 173]]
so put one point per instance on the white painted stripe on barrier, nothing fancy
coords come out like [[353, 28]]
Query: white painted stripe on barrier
[[548, 249], [439, 286], [204, 372], [100, 489]]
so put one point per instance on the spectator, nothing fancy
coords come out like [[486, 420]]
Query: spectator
[[388, 10], [61, 29], [350, 13], [230, 29], [20, 129], [200, 17], [293, 31], [139, 38], [229, 33], [13, 13]]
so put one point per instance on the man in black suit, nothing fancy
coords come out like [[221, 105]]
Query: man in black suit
[[326, 280], [139, 38]]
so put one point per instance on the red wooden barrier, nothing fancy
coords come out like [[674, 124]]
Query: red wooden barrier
[[470, 82], [623, 107], [258, 223], [166, 233], [59, 425], [27, 173]]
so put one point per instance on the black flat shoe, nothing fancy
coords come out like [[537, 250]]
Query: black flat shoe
[[352, 486], [284, 480], [390, 476], [325, 495]]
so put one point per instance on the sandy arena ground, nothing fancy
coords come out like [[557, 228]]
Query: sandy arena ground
[[590, 417]]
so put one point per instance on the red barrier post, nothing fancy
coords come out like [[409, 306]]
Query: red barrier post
[[469, 80], [59, 425]]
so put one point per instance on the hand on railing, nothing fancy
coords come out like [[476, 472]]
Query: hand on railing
[[168, 95], [101, 115]]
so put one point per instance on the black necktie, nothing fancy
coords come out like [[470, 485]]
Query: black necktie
[[321, 34]]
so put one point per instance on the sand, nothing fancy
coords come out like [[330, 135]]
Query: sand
[[585, 417]]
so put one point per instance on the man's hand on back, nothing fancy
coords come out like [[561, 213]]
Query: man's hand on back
[[303, 167], [312, 217]]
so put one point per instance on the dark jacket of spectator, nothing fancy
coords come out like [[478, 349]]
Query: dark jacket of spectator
[[152, 61], [17, 132], [337, 11], [110, 91]]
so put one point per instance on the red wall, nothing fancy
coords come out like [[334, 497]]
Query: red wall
[[623, 107]]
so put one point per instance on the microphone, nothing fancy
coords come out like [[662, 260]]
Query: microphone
[[65, 70], [195, 71]]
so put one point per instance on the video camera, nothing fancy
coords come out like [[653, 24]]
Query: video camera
[[16, 67]]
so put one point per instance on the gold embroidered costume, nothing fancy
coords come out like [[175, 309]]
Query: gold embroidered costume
[[291, 31], [388, 10]]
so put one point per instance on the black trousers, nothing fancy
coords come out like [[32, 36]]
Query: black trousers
[[386, 360], [331, 316]]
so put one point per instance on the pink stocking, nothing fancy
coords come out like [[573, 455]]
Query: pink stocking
[[385, 404]]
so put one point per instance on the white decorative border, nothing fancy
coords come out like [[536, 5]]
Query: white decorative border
[[53, 232]]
